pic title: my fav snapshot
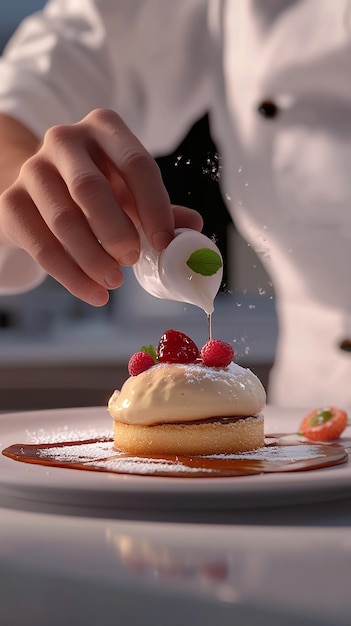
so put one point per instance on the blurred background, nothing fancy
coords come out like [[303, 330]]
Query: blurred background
[[56, 351]]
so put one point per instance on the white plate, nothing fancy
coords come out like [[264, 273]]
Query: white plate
[[23, 484]]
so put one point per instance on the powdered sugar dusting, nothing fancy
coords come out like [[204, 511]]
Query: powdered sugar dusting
[[217, 374], [101, 455], [135, 465], [66, 434], [80, 453], [288, 454]]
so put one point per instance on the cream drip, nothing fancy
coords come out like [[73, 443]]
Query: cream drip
[[175, 392]]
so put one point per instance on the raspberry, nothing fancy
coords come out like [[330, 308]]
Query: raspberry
[[139, 362], [176, 347], [217, 353], [324, 424]]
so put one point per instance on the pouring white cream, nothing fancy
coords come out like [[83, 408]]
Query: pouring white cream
[[170, 274]]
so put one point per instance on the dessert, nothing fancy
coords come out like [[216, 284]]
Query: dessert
[[187, 402], [177, 400]]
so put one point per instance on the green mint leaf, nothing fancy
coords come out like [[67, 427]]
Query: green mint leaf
[[205, 262], [322, 416], [151, 350]]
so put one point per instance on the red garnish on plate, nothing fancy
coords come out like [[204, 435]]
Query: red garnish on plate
[[176, 347], [217, 353], [324, 424]]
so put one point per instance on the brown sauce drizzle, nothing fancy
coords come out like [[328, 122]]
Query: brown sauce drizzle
[[275, 456]]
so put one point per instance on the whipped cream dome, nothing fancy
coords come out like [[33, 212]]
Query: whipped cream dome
[[175, 392]]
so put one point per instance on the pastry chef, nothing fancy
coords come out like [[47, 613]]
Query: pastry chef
[[274, 77]]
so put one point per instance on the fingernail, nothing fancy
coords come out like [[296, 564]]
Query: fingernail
[[161, 239], [114, 278], [129, 259]]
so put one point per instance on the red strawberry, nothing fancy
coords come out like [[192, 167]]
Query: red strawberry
[[217, 353], [176, 347], [324, 424], [139, 362]]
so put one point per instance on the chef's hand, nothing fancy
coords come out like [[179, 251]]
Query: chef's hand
[[76, 204]]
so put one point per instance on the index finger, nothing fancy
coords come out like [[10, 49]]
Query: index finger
[[140, 173]]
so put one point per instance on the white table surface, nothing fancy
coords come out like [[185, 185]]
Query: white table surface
[[71, 570], [278, 566]]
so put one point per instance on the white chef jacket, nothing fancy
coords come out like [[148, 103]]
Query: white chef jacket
[[275, 78]]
